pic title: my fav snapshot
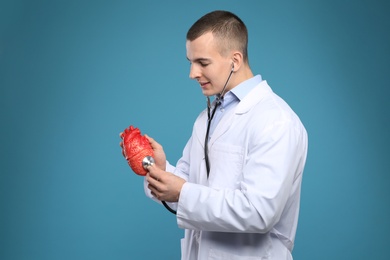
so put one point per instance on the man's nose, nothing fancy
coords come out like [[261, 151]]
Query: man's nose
[[194, 72]]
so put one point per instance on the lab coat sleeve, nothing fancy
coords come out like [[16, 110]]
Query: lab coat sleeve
[[268, 178]]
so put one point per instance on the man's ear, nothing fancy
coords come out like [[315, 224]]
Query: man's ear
[[237, 60]]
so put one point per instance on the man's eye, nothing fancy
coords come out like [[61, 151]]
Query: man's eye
[[204, 64]]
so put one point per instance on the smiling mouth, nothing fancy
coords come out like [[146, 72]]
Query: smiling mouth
[[204, 84]]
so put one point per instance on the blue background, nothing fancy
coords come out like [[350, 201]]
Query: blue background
[[73, 74]]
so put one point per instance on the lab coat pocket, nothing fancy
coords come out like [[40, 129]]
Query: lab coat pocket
[[226, 162]]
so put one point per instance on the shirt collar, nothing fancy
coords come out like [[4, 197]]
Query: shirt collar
[[242, 89]]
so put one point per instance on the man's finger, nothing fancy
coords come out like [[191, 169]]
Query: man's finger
[[152, 173]]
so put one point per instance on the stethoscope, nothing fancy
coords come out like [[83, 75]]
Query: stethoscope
[[210, 115], [148, 160]]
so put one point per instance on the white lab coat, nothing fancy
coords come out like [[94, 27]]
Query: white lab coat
[[248, 207]]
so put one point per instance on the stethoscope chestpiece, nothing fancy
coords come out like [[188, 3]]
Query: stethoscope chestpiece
[[147, 161]]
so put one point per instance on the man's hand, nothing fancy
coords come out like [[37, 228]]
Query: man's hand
[[164, 185], [159, 154]]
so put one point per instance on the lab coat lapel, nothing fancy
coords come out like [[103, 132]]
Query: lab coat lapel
[[222, 127], [201, 127]]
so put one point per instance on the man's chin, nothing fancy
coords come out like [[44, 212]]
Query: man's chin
[[208, 93]]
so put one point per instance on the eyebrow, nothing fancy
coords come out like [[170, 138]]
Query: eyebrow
[[200, 60]]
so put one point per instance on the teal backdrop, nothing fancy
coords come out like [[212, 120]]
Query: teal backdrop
[[74, 74]]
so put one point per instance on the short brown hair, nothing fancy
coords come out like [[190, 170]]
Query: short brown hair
[[228, 29]]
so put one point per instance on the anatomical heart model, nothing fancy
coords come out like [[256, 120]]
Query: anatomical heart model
[[135, 148]]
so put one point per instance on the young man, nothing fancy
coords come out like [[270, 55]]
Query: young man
[[237, 187]]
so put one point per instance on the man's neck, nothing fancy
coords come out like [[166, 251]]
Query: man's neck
[[241, 75]]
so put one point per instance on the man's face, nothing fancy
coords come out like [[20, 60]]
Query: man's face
[[208, 67]]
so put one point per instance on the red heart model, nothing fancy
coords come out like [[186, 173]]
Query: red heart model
[[135, 148]]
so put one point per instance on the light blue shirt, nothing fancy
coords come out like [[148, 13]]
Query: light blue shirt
[[232, 98]]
